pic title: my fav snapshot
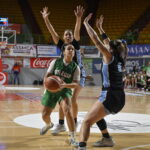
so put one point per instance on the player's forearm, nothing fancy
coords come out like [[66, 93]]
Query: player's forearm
[[77, 29], [98, 43], [70, 85], [101, 31], [51, 30], [93, 35], [105, 38]]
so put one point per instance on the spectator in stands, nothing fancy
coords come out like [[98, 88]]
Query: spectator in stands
[[135, 34], [147, 70], [129, 37], [112, 98], [127, 81], [135, 69], [141, 81], [133, 79], [16, 72], [74, 40]]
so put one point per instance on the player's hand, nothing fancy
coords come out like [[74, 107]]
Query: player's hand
[[86, 20], [63, 85], [99, 22], [79, 11], [45, 12]]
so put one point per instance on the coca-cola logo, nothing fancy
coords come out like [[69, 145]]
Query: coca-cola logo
[[41, 63], [2, 78]]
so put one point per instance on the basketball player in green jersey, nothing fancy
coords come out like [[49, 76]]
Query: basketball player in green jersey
[[73, 38], [69, 72]]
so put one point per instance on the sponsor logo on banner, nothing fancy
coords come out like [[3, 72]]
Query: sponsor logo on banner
[[139, 50], [133, 62], [2, 78], [24, 50], [40, 62], [90, 51], [47, 51]]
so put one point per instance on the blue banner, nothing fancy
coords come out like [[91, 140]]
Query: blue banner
[[139, 50], [131, 62], [96, 65]]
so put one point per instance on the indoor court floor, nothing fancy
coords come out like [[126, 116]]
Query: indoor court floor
[[20, 121]]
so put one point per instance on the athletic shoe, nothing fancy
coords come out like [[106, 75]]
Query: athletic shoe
[[72, 142], [46, 128], [59, 128], [105, 142], [81, 148]]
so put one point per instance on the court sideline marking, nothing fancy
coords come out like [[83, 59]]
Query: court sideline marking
[[138, 146]]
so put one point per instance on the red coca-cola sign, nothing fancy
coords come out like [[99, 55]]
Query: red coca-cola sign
[[40, 62]]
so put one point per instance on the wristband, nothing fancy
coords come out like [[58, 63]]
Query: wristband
[[104, 36]]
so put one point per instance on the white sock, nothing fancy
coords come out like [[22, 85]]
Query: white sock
[[72, 135], [48, 124]]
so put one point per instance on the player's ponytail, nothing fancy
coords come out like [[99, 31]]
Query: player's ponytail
[[120, 50]]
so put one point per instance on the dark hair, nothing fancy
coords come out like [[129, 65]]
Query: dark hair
[[68, 30], [66, 44], [120, 50]]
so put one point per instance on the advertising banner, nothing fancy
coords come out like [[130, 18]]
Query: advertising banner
[[87, 63], [1, 65], [8, 63], [23, 50], [40, 62], [133, 62], [47, 51], [139, 50], [90, 51], [3, 78]]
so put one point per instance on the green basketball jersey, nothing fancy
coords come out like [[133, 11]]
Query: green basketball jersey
[[66, 73]]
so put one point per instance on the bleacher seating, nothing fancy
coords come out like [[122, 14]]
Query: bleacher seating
[[11, 9], [61, 15], [120, 14], [144, 36]]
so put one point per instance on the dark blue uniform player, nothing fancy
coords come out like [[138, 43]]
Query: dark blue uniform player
[[112, 97]]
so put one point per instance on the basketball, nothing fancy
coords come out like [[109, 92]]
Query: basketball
[[52, 83]]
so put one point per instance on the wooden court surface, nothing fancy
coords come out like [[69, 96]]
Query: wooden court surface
[[17, 137]]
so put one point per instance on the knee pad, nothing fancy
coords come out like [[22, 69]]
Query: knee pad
[[101, 124]]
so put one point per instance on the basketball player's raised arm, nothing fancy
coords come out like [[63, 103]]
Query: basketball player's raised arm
[[78, 13], [94, 37], [99, 25], [49, 26]]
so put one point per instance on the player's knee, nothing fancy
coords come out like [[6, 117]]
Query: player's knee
[[66, 109], [87, 122]]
